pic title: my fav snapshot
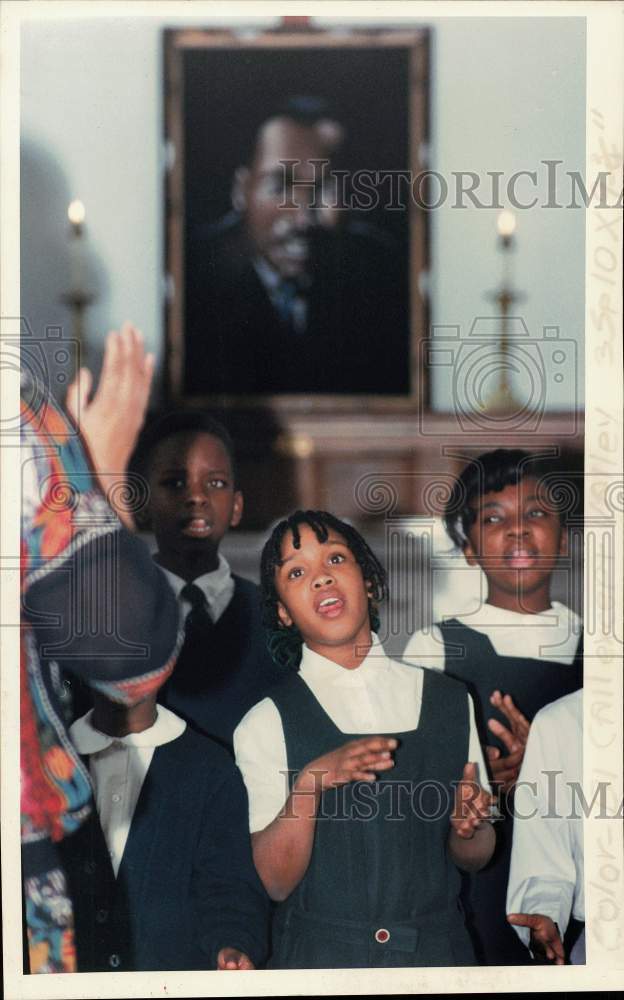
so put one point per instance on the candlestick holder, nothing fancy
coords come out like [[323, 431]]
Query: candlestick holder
[[78, 303], [502, 400], [79, 295]]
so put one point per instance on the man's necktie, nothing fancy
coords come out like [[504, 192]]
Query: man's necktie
[[284, 299]]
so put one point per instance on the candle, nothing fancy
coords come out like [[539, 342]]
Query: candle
[[506, 224], [76, 213]]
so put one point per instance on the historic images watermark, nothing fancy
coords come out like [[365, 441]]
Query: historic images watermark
[[546, 186], [432, 800]]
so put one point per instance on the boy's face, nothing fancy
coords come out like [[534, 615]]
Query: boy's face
[[119, 720], [322, 591], [192, 497], [516, 540]]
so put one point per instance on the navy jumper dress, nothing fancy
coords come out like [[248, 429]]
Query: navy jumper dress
[[380, 889], [532, 683]]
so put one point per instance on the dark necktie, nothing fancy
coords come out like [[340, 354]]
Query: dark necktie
[[198, 622], [284, 299], [194, 666]]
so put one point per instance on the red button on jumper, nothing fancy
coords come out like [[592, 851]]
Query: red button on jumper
[[382, 935]]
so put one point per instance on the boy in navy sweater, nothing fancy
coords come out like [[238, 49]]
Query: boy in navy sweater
[[517, 653], [224, 667]]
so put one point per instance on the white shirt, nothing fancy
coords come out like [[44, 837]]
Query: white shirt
[[217, 586], [550, 635], [379, 696], [118, 766], [546, 872]]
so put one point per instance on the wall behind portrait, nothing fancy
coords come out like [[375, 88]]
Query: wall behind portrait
[[504, 93]]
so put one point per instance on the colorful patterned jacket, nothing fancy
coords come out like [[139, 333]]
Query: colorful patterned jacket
[[92, 602]]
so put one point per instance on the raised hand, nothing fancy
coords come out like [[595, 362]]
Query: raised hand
[[232, 958], [109, 421], [505, 769], [358, 760], [472, 804], [545, 937]]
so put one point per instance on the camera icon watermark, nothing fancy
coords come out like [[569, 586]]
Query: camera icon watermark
[[500, 377], [46, 365]]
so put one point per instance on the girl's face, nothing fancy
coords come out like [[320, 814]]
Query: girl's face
[[322, 591], [516, 540]]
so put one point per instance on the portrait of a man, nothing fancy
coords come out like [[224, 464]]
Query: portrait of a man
[[295, 280]]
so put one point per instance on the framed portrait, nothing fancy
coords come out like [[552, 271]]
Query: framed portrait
[[296, 252]]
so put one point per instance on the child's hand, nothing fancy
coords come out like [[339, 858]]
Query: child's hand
[[518, 723], [505, 769], [472, 804], [232, 958], [545, 937], [358, 760]]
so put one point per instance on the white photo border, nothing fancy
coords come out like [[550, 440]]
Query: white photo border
[[603, 738]]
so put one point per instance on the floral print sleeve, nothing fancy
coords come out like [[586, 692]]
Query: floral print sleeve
[[63, 512]]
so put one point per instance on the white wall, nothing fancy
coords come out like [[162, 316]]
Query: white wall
[[506, 94]]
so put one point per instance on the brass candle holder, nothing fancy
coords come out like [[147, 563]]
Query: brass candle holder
[[502, 399], [79, 296]]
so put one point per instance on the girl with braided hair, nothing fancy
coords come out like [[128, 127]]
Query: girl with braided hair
[[363, 868]]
